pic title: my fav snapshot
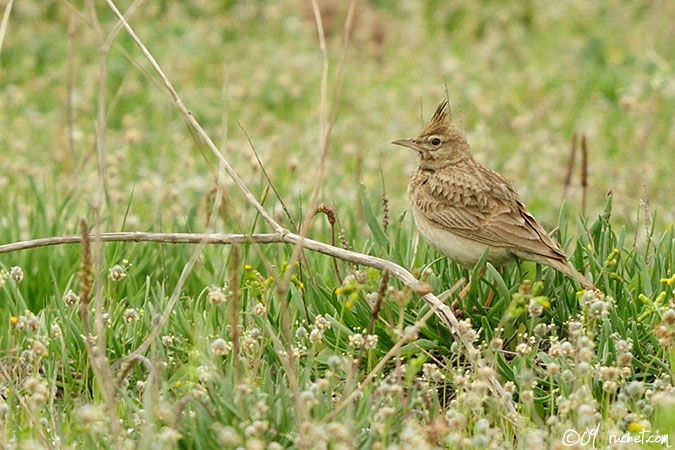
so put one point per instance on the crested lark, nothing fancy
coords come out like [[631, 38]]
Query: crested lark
[[462, 208]]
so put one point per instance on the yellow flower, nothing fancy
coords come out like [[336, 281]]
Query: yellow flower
[[13, 320], [178, 384], [248, 267], [634, 427]]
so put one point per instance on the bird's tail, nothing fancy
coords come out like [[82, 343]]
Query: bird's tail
[[570, 272]]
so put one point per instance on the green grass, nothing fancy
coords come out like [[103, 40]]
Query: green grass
[[525, 78]]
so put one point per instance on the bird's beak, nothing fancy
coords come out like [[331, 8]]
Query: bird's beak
[[410, 143]]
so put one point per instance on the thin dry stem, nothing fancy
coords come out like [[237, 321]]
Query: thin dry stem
[[99, 358], [129, 364], [119, 25], [375, 312], [330, 215], [70, 83], [234, 310], [269, 180], [5, 22], [584, 173], [325, 126], [385, 200]]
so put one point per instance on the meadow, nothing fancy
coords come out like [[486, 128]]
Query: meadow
[[250, 342]]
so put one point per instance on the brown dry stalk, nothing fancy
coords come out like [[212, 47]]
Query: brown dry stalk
[[649, 221], [129, 364], [385, 200], [98, 356], [584, 173], [234, 309], [375, 312], [330, 215], [381, 293], [87, 270]]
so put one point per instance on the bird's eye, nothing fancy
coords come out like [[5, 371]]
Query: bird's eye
[[435, 141]]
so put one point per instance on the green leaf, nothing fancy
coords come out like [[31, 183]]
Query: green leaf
[[375, 226]]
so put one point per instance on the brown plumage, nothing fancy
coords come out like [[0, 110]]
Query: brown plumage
[[461, 207]]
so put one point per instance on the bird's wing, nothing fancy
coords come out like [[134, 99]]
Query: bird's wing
[[481, 205]]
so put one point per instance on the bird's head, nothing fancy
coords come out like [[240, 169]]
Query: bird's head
[[441, 142]]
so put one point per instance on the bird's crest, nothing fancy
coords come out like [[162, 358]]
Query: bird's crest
[[440, 121]]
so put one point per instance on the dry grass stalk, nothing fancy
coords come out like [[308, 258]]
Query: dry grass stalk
[[5, 22], [269, 180], [234, 309], [385, 201], [330, 215], [649, 222], [375, 312], [584, 173], [99, 358], [129, 364], [70, 83]]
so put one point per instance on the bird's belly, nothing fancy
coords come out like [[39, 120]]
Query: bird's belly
[[464, 251]]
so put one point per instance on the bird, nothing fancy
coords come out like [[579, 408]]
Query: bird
[[462, 208]]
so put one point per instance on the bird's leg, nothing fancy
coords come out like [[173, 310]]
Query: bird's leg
[[464, 292], [491, 294], [455, 304]]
